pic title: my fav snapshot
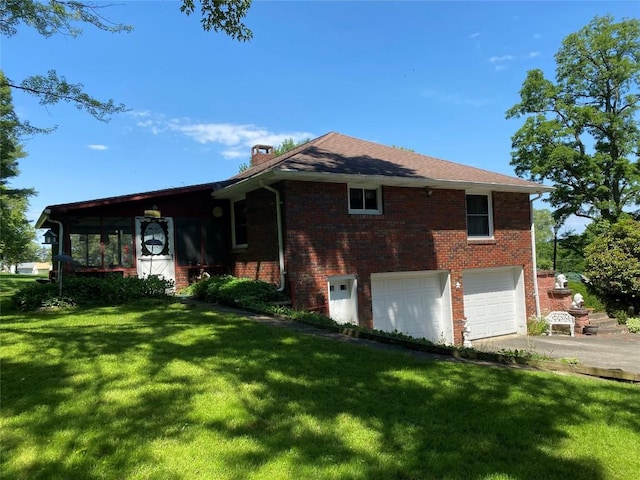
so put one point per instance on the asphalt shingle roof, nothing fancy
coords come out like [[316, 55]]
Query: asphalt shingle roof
[[341, 154]]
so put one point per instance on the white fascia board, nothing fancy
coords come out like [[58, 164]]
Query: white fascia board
[[406, 181], [272, 176]]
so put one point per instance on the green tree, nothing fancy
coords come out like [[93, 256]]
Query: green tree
[[66, 17], [288, 145], [544, 223], [222, 16], [581, 132], [16, 234], [613, 264], [42, 253]]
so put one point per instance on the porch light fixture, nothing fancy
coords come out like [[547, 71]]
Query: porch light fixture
[[153, 213], [50, 238]]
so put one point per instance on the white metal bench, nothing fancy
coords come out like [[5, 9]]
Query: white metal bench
[[561, 318]]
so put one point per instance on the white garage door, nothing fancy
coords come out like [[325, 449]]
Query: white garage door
[[413, 304], [491, 301]]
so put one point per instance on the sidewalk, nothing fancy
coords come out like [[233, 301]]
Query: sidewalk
[[611, 352]]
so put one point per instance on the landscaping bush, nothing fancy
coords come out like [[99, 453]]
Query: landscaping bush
[[253, 295], [591, 299], [40, 295], [633, 324], [537, 326], [612, 264], [112, 290]]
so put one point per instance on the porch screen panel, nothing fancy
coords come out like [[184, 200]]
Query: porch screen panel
[[216, 243], [117, 237], [188, 232], [85, 242]]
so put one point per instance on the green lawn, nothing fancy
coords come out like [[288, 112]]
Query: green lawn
[[179, 392]]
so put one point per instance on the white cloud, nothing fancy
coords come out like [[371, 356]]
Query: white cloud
[[474, 35], [97, 147], [533, 54], [500, 59], [236, 153], [237, 139]]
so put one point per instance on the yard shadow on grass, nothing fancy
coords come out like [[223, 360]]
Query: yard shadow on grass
[[325, 408]]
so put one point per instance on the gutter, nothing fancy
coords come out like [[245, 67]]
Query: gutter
[[534, 254], [271, 176], [280, 235]]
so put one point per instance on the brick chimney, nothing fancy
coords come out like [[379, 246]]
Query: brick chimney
[[261, 154]]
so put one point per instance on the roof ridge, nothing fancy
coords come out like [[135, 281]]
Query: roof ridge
[[256, 169]]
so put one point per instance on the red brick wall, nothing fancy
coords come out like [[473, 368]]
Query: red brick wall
[[550, 298], [415, 232]]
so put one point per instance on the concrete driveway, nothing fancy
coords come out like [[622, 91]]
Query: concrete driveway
[[612, 352]]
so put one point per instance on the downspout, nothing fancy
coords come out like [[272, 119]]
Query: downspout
[[47, 212], [280, 235], [534, 254]]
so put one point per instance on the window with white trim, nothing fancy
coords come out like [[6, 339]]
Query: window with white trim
[[239, 217], [365, 200], [479, 216]]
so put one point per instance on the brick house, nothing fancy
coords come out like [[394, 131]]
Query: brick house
[[368, 234]]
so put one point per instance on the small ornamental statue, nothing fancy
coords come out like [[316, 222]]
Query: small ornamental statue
[[561, 281], [578, 302]]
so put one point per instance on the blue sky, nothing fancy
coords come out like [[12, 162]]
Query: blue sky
[[435, 77]]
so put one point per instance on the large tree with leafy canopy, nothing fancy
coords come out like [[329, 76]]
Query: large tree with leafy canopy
[[16, 234], [613, 264], [67, 17], [581, 131]]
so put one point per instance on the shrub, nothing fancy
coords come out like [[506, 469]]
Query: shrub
[[38, 295], [238, 292], [112, 290], [537, 326], [612, 263], [242, 290], [633, 324], [591, 299]]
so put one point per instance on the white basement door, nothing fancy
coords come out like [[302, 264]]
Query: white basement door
[[412, 303]]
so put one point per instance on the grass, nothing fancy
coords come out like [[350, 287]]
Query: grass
[[171, 391]]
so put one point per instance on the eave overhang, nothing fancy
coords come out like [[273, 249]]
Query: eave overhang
[[273, 176]]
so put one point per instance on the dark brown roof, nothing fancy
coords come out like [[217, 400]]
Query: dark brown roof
[[335, 153]]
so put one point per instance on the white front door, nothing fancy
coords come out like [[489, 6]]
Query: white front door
[[154, 247], [343, 302]]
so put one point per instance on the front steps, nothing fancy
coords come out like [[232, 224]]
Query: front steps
[[606, 325]]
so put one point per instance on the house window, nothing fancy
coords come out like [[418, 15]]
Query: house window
[[117, 239], [85, 249], [240, 223], [365, 200], [479, 221]]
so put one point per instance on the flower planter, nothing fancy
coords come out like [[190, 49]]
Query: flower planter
[[590, 330]]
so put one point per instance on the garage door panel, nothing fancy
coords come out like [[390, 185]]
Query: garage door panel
[[385, 310], [490, 302], [409, 304]]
